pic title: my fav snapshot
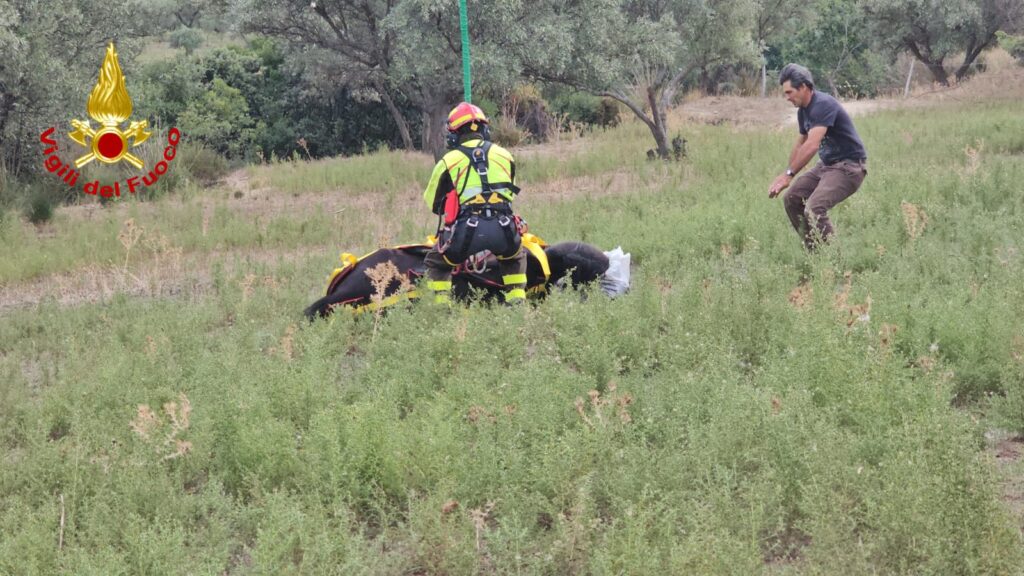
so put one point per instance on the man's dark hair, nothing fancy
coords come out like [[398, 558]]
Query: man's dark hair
[[797, 75]]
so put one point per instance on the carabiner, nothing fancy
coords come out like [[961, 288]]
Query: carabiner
[[477, 263]]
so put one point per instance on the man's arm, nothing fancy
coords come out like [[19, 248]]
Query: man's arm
[[796, 148], [439, 184], [803, 154], [804, 150]]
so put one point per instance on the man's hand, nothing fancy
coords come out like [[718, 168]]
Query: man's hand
[[780, 184]]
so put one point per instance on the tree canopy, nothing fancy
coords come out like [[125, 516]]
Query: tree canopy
[[639, 52], [339, 76], [935, 30]]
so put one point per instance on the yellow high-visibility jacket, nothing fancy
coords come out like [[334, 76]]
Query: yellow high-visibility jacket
[[455, 170]]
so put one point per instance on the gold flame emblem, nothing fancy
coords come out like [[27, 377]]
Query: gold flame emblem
[[110, 105]]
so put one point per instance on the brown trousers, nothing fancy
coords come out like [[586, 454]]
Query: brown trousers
[[810, 198]]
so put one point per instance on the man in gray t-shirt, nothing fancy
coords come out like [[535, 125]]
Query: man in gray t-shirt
[[825, 129]]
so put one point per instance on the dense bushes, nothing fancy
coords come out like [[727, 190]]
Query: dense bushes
[[40, 209], [586, 109], [201, 163], [528, 113], [186, 38], [33, 199], [249, 103], [837, 52], [221, 119], [1012, 44]]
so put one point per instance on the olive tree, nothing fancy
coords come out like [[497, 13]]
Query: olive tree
[[401, 49], [350, 31], [837, 45], [934, 30], [428, 62], [639, 52], [774, 18]]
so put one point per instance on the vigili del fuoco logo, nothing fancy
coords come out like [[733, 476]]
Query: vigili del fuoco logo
[[109, 105]]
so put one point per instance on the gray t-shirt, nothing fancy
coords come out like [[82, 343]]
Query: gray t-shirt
[[841, 141]]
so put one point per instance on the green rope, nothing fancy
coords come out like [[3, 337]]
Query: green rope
[[467, 91]]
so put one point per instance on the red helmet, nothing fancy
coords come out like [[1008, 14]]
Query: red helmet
[[463, 114]]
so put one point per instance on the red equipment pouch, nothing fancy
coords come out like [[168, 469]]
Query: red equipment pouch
[[451, 207]]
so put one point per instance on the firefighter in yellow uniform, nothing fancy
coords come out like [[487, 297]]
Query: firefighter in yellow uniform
[[471, 189]]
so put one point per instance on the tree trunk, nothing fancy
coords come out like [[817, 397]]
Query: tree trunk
[[186, 17], [660, 138], [934, 65], [16, 160], [6, 107], [434, 118], [969, 57], [660, 126], [396, 115], [7, 102], [764, 79], [705, 81], [939, 73]]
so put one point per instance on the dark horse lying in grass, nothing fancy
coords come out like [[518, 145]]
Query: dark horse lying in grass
[[358, 284]]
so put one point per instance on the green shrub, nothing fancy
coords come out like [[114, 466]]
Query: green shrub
[[40, 209], [1012, 44], [583, 108], [490, 106], [38, 199], [865, 70], [221, 120], [187, 38], [524, 113], [505, 132], [1010, 409], [200, 162], [240, 99]]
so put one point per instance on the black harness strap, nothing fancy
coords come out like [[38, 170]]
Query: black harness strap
[[473, 215], [478, 159], [467, 238]]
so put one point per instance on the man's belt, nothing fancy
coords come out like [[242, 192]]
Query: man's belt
[[861, 161]]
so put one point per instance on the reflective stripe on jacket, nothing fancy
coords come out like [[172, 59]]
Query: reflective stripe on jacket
[[454, 169]]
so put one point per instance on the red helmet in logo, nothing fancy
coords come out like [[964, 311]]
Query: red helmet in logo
[[463, 114]]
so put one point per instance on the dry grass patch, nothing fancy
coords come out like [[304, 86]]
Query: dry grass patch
[[619, 183], [736, 111], [190, 276], [163, 432]]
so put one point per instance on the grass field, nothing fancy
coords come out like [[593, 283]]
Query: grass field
[[164, 410]]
